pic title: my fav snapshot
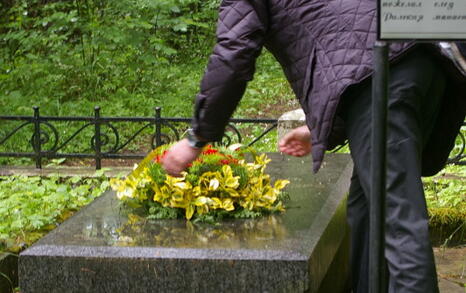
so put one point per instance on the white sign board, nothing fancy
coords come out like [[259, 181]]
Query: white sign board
[[422, 19]]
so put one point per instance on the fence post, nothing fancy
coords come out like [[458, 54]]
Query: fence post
[[97, 140], [377, 267], [36, 138], [158, 127]]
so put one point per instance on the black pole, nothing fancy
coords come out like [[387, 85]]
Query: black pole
[[97, 139], [158, 127], [377, 271], [36, 138]]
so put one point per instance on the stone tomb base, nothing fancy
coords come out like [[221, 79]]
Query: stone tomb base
[[101, 249]]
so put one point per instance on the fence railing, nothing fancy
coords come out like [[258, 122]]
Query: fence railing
[[99, 138], [458, 155], [40, 137]]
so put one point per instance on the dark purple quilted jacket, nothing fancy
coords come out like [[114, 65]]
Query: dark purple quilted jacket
[[323, 46]]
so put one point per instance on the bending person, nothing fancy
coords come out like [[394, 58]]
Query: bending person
[[325, 49]]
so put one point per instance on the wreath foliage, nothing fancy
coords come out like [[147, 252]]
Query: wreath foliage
[[219, 183]]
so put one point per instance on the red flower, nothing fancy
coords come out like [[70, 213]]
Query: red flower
[[159, 158], [210, 151]]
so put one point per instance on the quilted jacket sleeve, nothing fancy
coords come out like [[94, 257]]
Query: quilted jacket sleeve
[[240, 36]]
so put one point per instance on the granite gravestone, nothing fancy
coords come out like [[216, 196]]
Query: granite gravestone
[[104, 248], [289, 121]]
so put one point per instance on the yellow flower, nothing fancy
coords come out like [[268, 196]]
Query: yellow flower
[[228, 204], [280, 184], [259, 193], [213, 184], [225, 203], [202, 204], [229, 181]]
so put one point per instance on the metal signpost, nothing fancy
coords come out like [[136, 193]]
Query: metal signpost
[[399, 20]]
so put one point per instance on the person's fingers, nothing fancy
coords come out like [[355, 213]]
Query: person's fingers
[[297, 151], [295, 147], [292, 148], [179, 157], [171, 164], [300, 134], [290, 136], [172, 170]]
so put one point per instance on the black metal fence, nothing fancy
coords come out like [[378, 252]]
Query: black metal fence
[[99, 138], [458, 155], [40, 137]]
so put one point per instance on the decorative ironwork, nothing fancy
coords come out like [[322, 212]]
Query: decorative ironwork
[[228, 137], [105, 141], [459, 152], [100, 137], [44, 137]]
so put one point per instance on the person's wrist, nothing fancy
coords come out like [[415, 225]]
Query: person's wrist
[[194, 141]]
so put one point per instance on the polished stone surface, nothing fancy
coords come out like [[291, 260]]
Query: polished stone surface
[[100, 250]]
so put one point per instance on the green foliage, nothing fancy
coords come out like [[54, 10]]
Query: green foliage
[[32, 206], [269, 93], [157, 212], [197, 170], [157, 173], [446, 202], [247, 214], [243, 174], [447, 189], [89, 49], [125, 56], [216, 216]]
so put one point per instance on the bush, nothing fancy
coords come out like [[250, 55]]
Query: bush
[[68, 50]]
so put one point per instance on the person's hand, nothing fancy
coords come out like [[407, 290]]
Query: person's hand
[[297, 142], [179, 156]]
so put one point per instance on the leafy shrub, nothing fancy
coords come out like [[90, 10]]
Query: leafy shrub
[[446, 202], [126, 56], [32, 206], [447, 189], [92, 49]]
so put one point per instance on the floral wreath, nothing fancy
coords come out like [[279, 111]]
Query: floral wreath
[[219, 183]]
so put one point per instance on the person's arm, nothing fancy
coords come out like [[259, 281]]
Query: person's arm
[[240, 37]]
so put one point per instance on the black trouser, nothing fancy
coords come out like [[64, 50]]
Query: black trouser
[[416, 85]]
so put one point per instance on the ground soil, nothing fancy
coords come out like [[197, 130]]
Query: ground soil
[[451, 269]]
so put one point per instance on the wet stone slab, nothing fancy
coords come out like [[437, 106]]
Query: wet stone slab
[[101, 249]]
